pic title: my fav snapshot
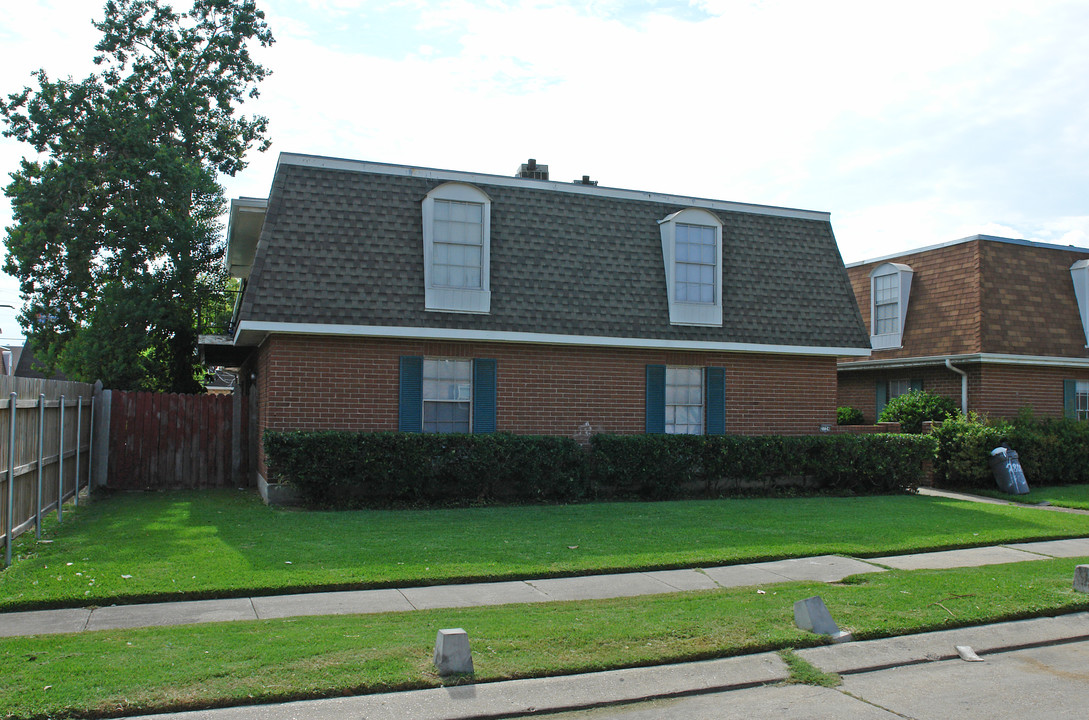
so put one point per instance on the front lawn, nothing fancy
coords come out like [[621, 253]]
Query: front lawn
[[155, 546], [159, 669], [1070, 496]]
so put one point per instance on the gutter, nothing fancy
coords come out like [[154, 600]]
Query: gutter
[[963, 386]]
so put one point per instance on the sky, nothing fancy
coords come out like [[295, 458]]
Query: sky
[[912, 124]]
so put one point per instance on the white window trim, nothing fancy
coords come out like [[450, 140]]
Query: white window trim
[[462, 300], [894, 340], [689, 313], [703, 398], [1079, 273]]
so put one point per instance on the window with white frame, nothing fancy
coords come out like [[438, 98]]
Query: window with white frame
[[458, 245], [447, 395], [457, 249], [890, 289], [692, 255], [684, 400], [1081, 400]]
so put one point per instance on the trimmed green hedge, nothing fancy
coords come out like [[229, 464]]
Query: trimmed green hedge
[[352, 470], [1051, 451]]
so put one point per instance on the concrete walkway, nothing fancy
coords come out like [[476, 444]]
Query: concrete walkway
[[823, 568]]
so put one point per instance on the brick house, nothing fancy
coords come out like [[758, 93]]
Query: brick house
[[992, 323], [382, 297]]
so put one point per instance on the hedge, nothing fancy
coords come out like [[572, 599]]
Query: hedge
[[1051, 451], [352, 470]]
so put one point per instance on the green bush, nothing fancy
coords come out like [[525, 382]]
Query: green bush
[[913, 408], [1051, 451], [661, 466], [353, 470], [849, 416]]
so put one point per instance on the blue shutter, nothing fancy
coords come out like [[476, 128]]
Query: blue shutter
[[410, 399], [716, 400], [656, 398], [484, 372], [917, 384], [1070, 399], [882, 394]]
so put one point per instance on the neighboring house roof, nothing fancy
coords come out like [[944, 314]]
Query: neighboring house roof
[[340, 251], [25, 365], [983, 297]]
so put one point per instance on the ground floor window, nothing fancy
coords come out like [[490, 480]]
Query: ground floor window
[[684, 400], [447, 395], [888, 389], [1081, 400]]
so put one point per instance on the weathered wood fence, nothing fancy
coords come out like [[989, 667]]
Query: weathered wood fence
[[46, 432], [167, 441]]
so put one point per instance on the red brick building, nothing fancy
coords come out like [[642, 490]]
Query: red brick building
[[1000, 324], [383, 297]]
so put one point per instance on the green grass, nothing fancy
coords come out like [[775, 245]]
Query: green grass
[[159, 669], [1070, 496], [805, 673], [158, 546]]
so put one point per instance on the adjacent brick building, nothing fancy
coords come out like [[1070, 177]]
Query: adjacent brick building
[[384, 297], [1009, 314]]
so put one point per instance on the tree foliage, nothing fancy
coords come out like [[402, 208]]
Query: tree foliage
[[116, 239], [913, 408]]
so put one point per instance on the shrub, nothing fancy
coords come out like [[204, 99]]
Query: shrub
[[849, 416], [913, 408], [353, 470], [964, 451]]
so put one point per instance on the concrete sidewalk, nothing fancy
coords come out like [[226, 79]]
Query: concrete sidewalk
[[619, 687], [824, 568]]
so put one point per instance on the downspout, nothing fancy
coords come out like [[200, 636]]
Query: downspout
[[963, 386]]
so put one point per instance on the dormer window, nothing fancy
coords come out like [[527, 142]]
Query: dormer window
[[692, 255], [457, 249], [890, 287]]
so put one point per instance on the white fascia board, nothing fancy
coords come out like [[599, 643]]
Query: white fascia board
[[983, 358], [579, 189], [252, 331], [971, 238]]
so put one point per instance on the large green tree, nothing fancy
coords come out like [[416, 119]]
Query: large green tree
[[116, 240]]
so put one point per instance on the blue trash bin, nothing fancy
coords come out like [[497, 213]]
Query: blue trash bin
[[1007, 471]]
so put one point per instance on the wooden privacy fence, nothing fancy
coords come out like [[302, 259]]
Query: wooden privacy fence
[[160, 441], [46, 430]]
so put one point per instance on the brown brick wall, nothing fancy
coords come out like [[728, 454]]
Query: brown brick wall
[[312, 383], [995, 390], [1005, 389], [858, 388]]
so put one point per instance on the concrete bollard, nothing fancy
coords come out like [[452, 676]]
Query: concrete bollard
[[812, 614], [452, 654], [1081, 578]]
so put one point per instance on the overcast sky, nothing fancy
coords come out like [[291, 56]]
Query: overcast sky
[[911, 123]]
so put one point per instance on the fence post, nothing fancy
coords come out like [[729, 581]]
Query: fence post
[[103, 423], [79, 441], [41, 448], [60, 465], [11, 481], [236, 436], [90, 446]]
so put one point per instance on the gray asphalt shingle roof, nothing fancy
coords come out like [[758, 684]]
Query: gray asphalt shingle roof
[[345, 247]]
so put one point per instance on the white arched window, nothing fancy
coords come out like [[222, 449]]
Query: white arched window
[[457, 249], [692, 254], [890, 287]]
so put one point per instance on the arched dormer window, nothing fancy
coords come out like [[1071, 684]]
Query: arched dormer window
[[890, 287], [457, 249], [692, 254]]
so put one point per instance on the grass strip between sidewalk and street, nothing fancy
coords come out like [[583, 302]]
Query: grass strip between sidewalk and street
[[108, 673], [151, 547]]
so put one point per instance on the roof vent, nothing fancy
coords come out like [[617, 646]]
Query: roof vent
[[533, 171], [585, 181]]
